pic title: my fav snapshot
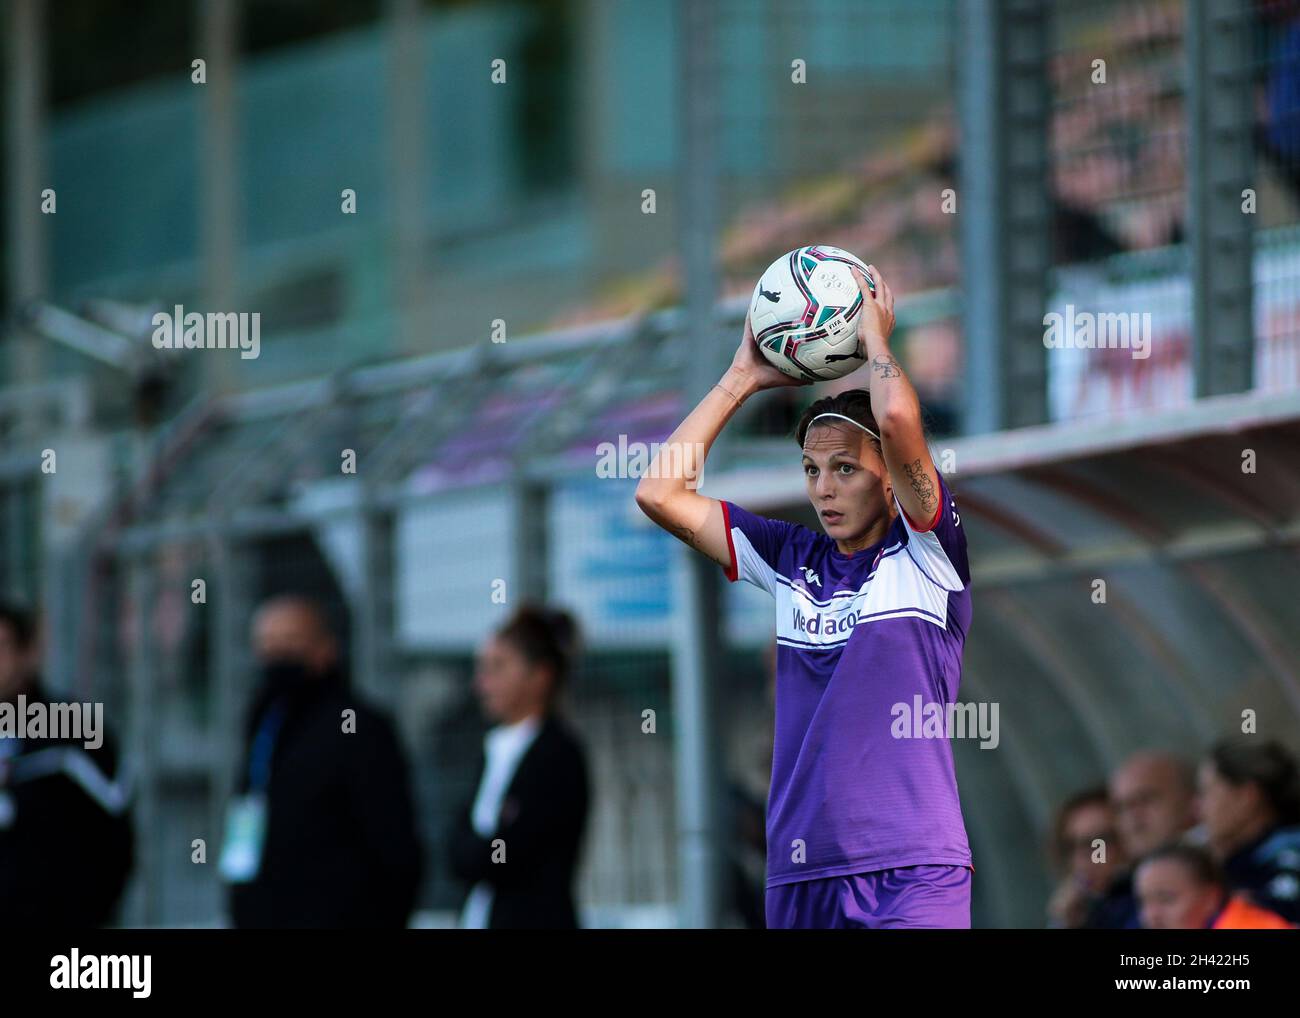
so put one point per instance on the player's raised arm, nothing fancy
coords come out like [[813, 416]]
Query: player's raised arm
[[666, 493], [895, 406]]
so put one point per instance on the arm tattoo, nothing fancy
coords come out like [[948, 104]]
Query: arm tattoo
[[922, 485], [885, 366], [685, 533]]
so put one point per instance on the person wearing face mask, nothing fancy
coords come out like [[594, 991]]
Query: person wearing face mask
[[517, 844], [321, 832]]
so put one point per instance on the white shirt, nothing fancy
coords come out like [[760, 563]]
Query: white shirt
[[503, 746]]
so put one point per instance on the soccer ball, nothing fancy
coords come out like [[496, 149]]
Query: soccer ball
[[805, 313]]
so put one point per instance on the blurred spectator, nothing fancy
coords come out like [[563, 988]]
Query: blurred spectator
[[1095, 891], [1279, 127], [517, 844], [322, 832], [66, 845], [1180, 887], [1250, 805], [932, 355], [1154, 796]]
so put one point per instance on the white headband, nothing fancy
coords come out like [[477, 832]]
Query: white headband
[[843, 418]]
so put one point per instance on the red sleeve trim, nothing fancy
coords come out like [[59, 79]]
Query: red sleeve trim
[[933, 523], [733, 569]]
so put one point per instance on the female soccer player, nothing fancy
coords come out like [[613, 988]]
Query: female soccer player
[[864, 826]]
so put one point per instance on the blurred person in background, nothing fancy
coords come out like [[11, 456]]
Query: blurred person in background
[[66, 844], [1154, 799], [1180, 887], [1095, 891], [1250, 806], [322, 830], [1277, 67], [517, 843]]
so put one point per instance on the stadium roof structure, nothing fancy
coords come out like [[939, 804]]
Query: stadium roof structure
[[530, 409], [490, 414]]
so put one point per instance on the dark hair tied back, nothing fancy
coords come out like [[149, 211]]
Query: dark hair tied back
[[852, 403], [1269, 765], [544, 636]]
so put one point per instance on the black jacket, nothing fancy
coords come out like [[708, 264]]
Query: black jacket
[[543, 816], [66, 845], [1268, 870], [341, 848], [1117, 909]]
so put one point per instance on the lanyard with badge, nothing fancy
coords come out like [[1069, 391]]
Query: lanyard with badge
[[241, 853]]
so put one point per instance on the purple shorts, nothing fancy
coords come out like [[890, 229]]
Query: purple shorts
[[916, 897]]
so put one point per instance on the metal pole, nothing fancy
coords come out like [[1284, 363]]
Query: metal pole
[[28, 262], [697, 618], [142, 739], [372, 664], [218, 168], [229, 589], [407, 209], [1220, 91], [530, 553], [15, 529], [1004, 211]]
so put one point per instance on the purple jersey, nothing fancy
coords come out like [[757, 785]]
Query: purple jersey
[[863, 641]]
